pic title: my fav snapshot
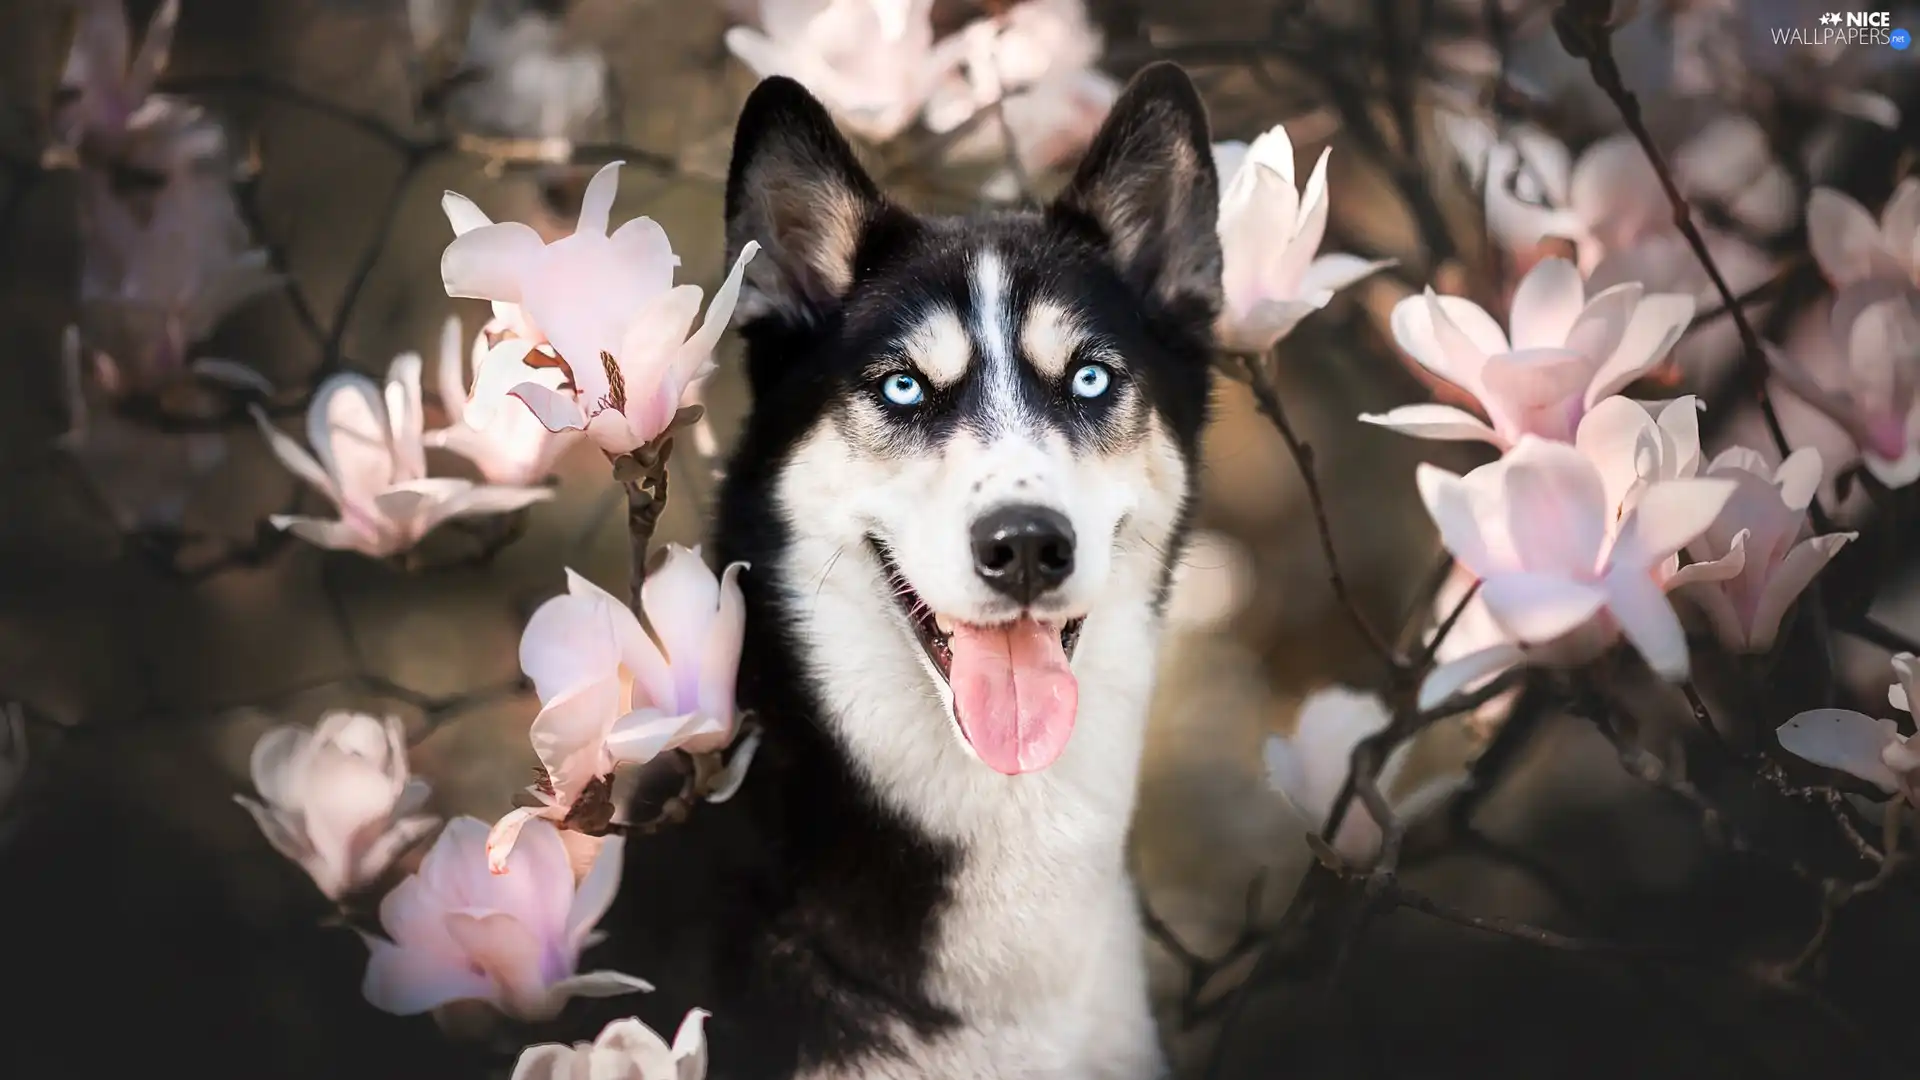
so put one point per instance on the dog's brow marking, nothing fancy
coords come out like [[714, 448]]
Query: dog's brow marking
[[994, 334], [939, 347], [1050, 336]]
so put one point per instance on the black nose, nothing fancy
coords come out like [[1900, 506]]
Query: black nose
[[1023, 551]]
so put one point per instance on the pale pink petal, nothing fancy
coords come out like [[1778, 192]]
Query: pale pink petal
[[1789, 580], [1258, 328], [556, 411], [1617, 436], [1546, 304], [720, 652], [1334, 272], [1535, 391], [407, 982], [569, 736], [463, 214], [500, 370], [690, 1045], [645, 734], [491, 261], [450, 377], [336, 535], [1799, 477], [642, 250], [454, 871], [1648, 620], [506, 833], [600, 984], [506, 950], [1844, 740], [406, 417], [596, 891], [1537, 608], [1413, 323], [1556, 507], [638, 1048], [596, 203], [275, 763], [1656, 324], [1669, 515], [680, 598], [347, 428], [547, 1061], [536, 887], [294, 456], [1451, 506], [1456, 676], [1435, 422], [1709, 571], [695, 354], [1900, 220], [151, 60], [1712, 601], [1845, 239]]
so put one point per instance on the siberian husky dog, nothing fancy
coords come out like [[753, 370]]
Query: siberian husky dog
[[962, 489]]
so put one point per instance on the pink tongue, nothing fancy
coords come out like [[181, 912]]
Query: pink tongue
[[1014, 693]]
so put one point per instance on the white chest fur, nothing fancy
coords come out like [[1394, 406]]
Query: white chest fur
[[1039, 951]]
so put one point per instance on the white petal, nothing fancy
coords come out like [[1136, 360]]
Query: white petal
[[463, 214], [1844, 740], [488, 262], [1461, 674], [1435, 422]]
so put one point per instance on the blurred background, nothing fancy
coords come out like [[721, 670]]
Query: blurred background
[[152, 627]]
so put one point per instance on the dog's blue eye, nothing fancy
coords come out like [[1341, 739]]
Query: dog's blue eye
[[1091, 381], [902, 389]]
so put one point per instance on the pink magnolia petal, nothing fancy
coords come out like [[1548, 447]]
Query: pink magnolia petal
[[1546, 305], [406, 417], [596, 891], [575, 640], [720, 652], [1712, 571], [547, 1061], [407, 982], [1458, 675], [1728, 627], [645, 734], [502, 368], [600, 984], [680, 598], [463, 214], [1555, 506], [1799, 477], [155, 47], [1648, 620], [1845, 239], [1334, 272], [569, 736], [1789, 580], [1435, 422], [490, 262], [502, 947], [454, 871], [1668, 516], [1844, 740], [1618, 437], [1537, 608], [695, 355], [348, 430], [596, 202], [339, 535], [1451, 506], [506, 832], [556, 410], [1656, 324], [1900, 220], [1535, 391], [294, 456], [1254, 330]]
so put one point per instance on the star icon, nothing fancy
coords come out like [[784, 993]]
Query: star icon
[[1831, 18]]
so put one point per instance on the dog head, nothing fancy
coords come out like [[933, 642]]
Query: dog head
[[993, 417]]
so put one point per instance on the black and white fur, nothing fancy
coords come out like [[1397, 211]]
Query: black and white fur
[[877, 903]]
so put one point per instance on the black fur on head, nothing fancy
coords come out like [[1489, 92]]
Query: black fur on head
[[1134, 229]]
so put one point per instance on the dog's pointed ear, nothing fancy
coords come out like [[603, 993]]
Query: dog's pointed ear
[[1148, 186], [796, 187]]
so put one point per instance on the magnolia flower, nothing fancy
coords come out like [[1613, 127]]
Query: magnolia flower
[[102, 89], [371, 462], [165, 254], [1556, 572], [460, 933], [1860, 745], [338, 799], [872, 63], [612, 694], [1866, 377], [1035, 63], [626, 1050], [1568, 352], [1270, 232], [1759, 534], [1524, 173], [1852, 247], [522, 78], [514, 447], [622, 361], [1633, 448], [1309, 767]]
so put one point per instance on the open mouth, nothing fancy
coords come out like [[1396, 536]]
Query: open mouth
[[1013, 691], [934, 630]]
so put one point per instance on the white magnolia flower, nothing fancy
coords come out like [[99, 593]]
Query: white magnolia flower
[[626, 1050], [1860, 745], [1560, 573], [522, 77], [338, 799], [1852, 247], [1759, 532], [1309, 767], [369, 458], [512, 447], [872, 63], [1569, 351], [457, 931], [1270, 229]]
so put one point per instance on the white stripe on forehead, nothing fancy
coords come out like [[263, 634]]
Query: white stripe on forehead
[[993, 333], [939, 347]]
